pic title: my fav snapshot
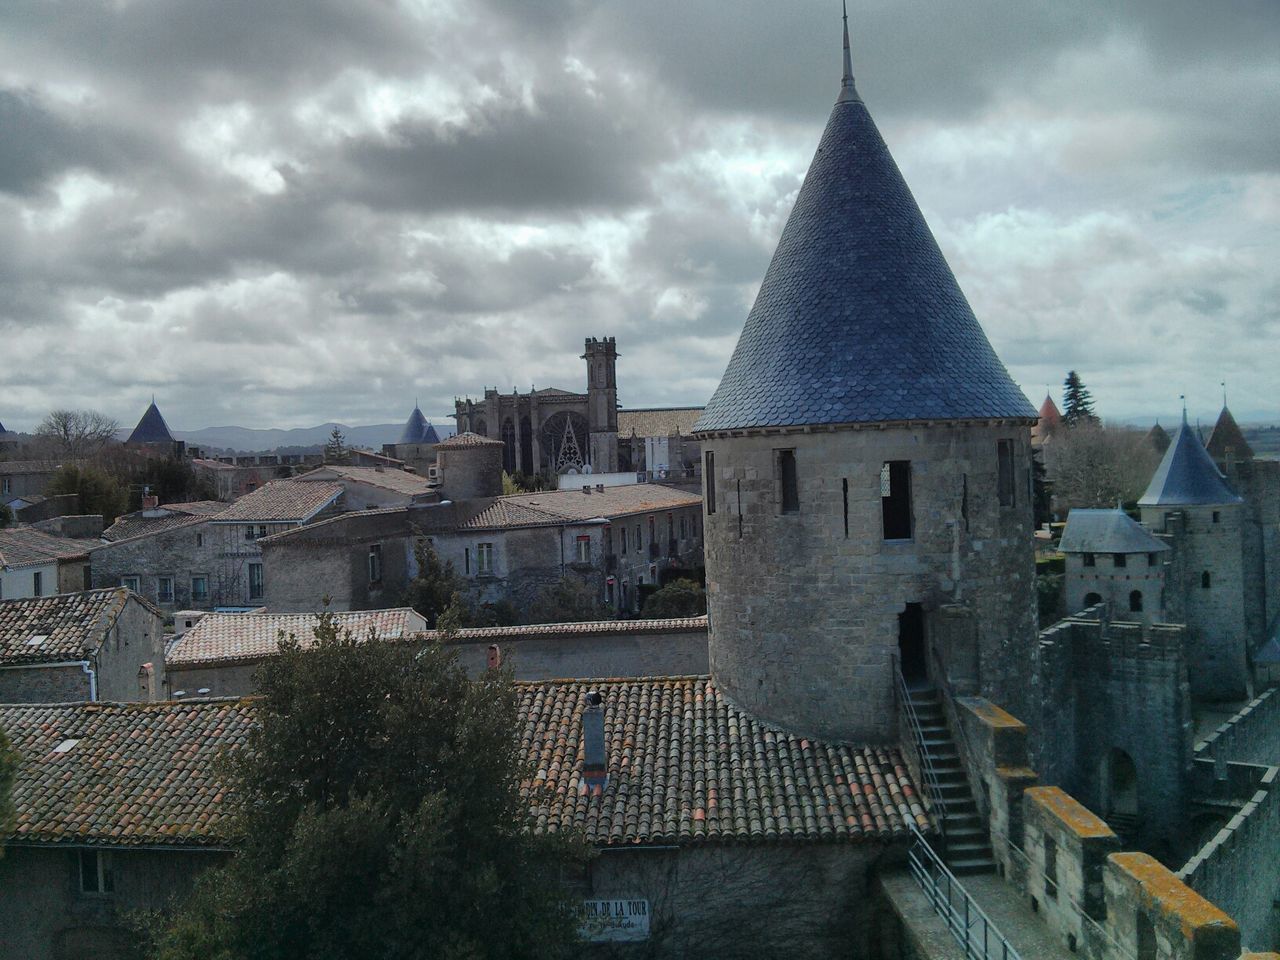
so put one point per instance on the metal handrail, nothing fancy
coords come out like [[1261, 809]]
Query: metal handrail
[[947, 692], [932, 784], [966, 921]]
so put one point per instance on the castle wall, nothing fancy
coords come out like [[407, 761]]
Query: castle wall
[[1258, 481], [1106, 687], [1251, 736], [1214, 615], [804, 610], [1114, 584], [1239, 870]]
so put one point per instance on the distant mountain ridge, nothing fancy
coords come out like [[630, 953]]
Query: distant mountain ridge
[[257, 440]]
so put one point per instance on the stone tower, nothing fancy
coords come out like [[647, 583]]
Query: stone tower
[[602, 403], [867, 467], [1189, 500]]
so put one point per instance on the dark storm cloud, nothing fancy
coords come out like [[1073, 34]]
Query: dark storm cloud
[[338, 205]]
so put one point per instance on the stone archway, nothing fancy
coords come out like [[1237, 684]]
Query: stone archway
[[564, 443]]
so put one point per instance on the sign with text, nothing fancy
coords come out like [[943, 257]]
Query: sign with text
[[614, 920]]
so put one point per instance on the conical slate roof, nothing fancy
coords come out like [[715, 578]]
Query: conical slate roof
[[418, 429], [1187, 476], [1227, 440], [1158, 438], [859, 319], [151, 428]]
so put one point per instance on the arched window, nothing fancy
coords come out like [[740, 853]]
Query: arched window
[[1204, 580], [508, 446], [482, 428], [1135, 601], [1092, 599]]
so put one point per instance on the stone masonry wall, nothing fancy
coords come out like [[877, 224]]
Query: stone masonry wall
[[43, 684], [1239, 869], [744, 902], [804, 615], [43, 915], [1214, 615], [1108, 686], [188, 551], [1251, 736]]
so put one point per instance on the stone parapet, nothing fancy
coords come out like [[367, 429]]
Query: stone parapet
[[1170, 920]]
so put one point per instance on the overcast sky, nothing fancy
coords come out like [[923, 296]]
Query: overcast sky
[[276, 213]]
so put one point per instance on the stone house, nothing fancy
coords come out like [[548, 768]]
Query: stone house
[[170, 555], [279, 505], [36, 564], [220, 653], [25, 480], [373, 487], [658, 442], [94, 645], [117, 811], [622, 541], [1111, 557]]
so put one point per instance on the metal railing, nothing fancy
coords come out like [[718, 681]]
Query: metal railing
[[907, 711], [966, 921]]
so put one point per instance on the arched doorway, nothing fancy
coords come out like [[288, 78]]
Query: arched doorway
[[1092, 599]]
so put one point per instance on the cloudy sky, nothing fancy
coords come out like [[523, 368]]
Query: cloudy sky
[[275, 213]]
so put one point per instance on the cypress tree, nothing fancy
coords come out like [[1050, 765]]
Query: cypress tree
[[1077, 402]]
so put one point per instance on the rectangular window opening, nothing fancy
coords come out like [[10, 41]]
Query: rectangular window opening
[[583, 549], [895, 499], [709, 482], [255, 581], [375, 563], [1050, 868], [964, 500], [37, 584], [95, 872], [164, 589], [484, 558], [1090, 560], [844, 485], [199, 588], [788, 482]]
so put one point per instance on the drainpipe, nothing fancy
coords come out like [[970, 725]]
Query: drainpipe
[[92, 674]]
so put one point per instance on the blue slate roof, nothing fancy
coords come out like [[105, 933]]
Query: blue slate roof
[[1107, 531], [151, 428], [1187, 476], [418, 430], [859, 318]]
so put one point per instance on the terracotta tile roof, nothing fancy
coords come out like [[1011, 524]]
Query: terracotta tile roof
[[609, 627], [560, 506], [167, 517], [239, 637], [686, 766], [397, 481], [68, 623], [292, 501], [658, 421], [26, 546], [136, 773], [16, 467], [467, 439]]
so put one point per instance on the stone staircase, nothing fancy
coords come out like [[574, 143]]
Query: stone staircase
[[968, 845]]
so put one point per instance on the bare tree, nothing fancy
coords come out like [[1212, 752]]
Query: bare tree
[[1090, 465], [76, 434]]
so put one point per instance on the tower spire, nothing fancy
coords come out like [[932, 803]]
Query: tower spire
[[848, 92]]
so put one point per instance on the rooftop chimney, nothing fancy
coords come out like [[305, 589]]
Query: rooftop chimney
[[495, 657], [586, 488], [594, 760], [599, 488]]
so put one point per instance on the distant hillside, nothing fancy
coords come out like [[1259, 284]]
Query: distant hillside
[[255, 440]]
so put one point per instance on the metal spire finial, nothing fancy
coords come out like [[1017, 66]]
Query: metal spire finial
[[848, 92], [1183, 398], [1224, 393]]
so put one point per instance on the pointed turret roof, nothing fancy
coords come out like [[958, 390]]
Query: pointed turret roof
[[1158, 437], [1187, 476], [418, 429], [1227, 441], [151, 428], [859, 319], [1050, 415]]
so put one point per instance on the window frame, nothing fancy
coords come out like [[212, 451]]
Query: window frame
[[257, 580], [900, 494], [37, 583], [201, 595], [100, 870], [709, 481], [374, 563], [1120, 561], [1006, 471], [582, 549], [161, 580], [133, 583], [484, 559]]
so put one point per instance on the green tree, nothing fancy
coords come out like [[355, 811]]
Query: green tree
[[6, 516], [99, 491], [566, 601], [335, 451], [380, 815], [436, 587], [679, 598], [1077, 401]]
